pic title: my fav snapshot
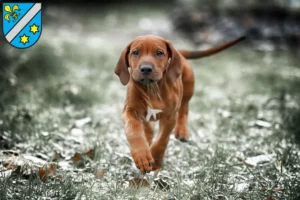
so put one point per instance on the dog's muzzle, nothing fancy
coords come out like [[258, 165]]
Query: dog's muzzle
[[146, 70]]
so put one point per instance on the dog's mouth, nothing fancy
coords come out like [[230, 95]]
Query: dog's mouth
[[146, 81]]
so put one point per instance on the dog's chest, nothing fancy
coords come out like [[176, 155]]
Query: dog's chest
[[163, 108], [165, 104]]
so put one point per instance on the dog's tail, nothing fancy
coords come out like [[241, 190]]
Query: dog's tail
[[208, 52]]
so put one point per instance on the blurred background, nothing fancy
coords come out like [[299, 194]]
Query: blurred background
[[62, 95], [269, 25], [72, 64]]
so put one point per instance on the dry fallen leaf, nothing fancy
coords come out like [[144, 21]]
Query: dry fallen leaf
[[77, 157], [24, 171], [99, 173], [59, 177], [138, 183], [10, 153], [16, 165], [12, 160], [220, 196], [242, 160], [162, 184], [90, 153], [52, 169], [9, 164], [49, 171], [42, 174], [270, 198]]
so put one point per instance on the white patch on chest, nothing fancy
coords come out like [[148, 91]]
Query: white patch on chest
[[152, 112]]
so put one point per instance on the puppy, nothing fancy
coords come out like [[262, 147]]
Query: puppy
[[160, 84]]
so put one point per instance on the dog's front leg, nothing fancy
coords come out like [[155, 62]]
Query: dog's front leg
[[158, 147], [139, 147]]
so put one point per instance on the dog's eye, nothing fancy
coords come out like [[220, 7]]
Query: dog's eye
[[159, 53], [136, 53]]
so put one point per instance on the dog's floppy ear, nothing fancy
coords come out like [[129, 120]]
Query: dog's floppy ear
[[122, 66], [174, 70]]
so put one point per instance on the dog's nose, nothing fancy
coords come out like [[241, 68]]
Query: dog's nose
[[146, 69]]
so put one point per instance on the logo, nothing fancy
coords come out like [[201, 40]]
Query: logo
[[22, 23], [152, 112]]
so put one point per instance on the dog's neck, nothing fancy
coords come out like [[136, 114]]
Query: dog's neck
[[155, 90], [150, 91]]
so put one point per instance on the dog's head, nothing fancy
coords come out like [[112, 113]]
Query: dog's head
[[149, 58]]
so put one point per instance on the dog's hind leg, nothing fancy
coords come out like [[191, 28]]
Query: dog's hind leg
[[181, 131]]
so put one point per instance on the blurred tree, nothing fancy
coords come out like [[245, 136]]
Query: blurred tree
[[275, 21], [237, 4], [105, 1]]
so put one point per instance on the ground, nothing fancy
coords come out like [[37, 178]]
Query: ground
[[61, 115]]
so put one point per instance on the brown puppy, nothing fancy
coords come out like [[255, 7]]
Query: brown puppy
[[160, 85]]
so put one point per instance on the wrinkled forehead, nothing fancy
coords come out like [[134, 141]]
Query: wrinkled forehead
[[148, 42]]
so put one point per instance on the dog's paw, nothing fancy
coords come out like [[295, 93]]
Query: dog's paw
[[157, 152], [181, 134], [143, 159]]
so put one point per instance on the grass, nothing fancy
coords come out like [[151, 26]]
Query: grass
[[70, 77]]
